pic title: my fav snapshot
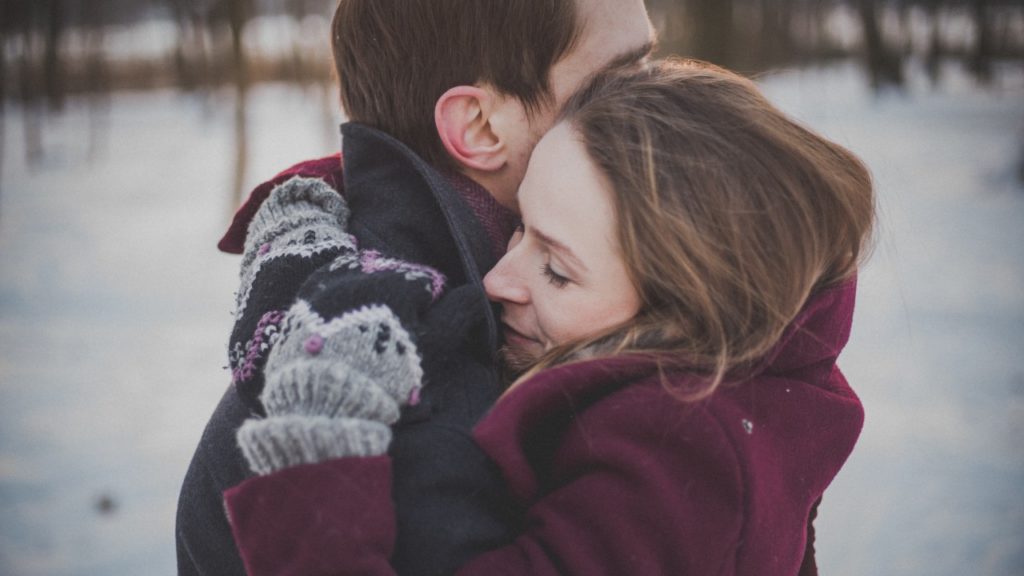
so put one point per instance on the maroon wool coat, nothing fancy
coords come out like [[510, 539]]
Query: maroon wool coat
[[612, 474]]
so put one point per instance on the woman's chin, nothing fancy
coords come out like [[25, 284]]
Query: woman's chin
[[520, 358]]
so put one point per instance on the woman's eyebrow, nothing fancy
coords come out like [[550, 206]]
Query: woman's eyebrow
[[561, 248]]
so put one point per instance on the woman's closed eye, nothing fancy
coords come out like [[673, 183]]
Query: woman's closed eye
[[554, 278]]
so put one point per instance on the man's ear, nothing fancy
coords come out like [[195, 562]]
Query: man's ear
[[463, 119]]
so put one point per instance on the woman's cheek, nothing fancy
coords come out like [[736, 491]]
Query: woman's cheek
[[558, 319]]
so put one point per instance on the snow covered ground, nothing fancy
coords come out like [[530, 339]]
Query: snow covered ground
[[114, 312], [935, 484]]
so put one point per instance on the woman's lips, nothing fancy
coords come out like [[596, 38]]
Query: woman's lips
[[516, 338]]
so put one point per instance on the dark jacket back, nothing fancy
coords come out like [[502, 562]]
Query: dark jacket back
[[448, 495]]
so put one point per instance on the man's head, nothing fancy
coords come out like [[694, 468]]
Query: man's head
[[473, 84]]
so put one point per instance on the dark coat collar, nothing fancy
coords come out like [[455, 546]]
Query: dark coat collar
[[405, 205]]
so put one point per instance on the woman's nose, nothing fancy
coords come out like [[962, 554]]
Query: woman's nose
[[503, 284]]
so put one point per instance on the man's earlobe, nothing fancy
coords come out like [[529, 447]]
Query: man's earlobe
[[463, 119]]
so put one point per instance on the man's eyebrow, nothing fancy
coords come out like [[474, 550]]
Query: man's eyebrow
[[561, 249], [633, 56]]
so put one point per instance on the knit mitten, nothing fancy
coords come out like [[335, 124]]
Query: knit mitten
[[340, 362], [294, 213], [299, 228], [300, 217], [332, 388]]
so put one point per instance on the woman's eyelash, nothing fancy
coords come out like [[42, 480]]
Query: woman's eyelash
[[556, 279]]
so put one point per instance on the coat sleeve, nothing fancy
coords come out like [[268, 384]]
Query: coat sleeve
[[637, 499], [637, 490], [331, 518]]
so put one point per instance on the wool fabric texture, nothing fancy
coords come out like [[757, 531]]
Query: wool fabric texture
[[284, 441], [297, 229], [332, 387], [609, 473], [421, 249]]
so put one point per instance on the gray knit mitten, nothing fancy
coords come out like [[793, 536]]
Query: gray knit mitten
[[298, 205], [302, 216], [332, 388]]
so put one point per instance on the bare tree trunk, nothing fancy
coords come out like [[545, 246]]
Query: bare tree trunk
[[884, 67], [238, 15], [1020, 165], [816, 27], [906, 40], [28, 93], [241, 145], [5, 24], [712, 30], [3, 135], [3, 113], [936, 50], [981, 60], [16, 26], [191, 55], [775, 37], [329, 104], [675, 35], [202, 58], [297, 10], [53, 66], [183, 68], [785, 17], [97, 81]]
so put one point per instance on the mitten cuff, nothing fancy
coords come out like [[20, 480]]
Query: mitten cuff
[[326, 386], [280, 442]]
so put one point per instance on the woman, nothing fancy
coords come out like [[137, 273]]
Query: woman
[[677, 295]]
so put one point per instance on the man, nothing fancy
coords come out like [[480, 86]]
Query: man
[[469, 87]]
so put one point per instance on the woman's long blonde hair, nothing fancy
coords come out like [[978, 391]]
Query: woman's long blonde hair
[[729, 214]]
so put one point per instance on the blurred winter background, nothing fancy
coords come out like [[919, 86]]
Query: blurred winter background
[[130, 131]]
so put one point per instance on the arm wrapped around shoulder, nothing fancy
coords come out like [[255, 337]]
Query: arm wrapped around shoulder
[[343, 361], [617, 477], [298, 229]]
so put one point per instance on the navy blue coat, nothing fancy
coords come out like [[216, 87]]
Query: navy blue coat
[[449, 497]]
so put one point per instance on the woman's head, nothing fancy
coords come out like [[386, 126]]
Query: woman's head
[[564, 277], [724, 216]]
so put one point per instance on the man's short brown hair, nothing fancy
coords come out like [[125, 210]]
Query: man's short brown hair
[[395, 58]]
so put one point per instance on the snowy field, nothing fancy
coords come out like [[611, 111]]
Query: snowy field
[[936, 483], [114, 313]]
